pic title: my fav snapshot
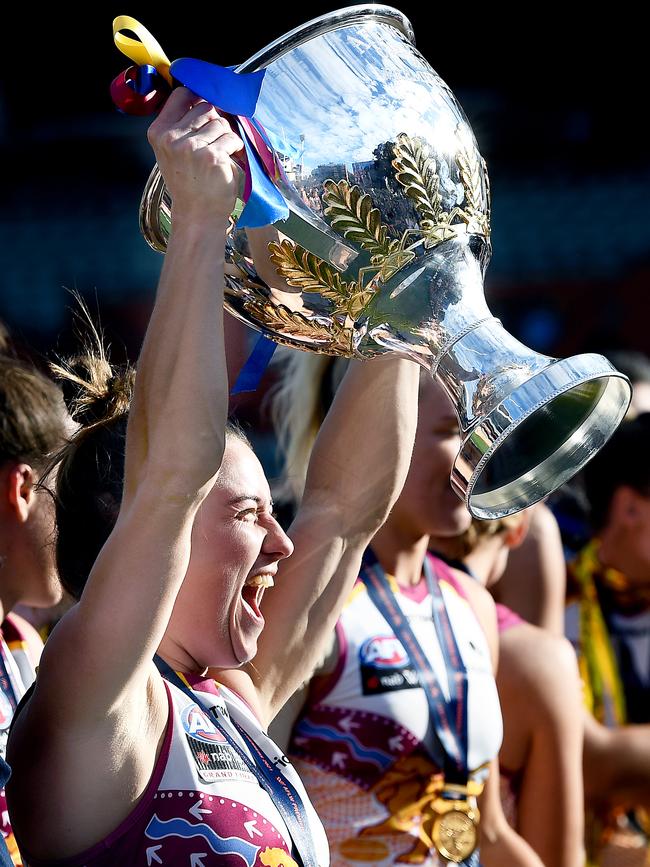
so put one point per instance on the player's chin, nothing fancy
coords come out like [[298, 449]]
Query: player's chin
[[245, 631]]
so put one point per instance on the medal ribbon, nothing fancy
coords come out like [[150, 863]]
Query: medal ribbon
[[6, 682], [282, 793], [448, 716]]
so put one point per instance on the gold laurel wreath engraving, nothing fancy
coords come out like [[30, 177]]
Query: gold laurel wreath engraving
[[307, 272], [302, 269], [331, 338], [469, 165], [470, 176], [351, 212], [415, 170]]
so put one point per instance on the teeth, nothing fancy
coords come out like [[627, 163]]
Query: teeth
[[260, 581]]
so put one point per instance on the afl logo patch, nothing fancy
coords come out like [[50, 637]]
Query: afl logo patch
[[383, 651], [199, 726]]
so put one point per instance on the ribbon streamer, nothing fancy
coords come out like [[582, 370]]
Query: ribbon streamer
[[237, 94], [143, 51], [253, 370], [231, 92], [139, 90]]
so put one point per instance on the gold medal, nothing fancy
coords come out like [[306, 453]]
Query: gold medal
[[454, 831], [454, 835]]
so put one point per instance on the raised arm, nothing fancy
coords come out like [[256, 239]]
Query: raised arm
[[102, 650], [357, 469]]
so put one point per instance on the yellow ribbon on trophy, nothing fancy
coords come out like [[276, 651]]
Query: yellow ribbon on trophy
[[143, 51]]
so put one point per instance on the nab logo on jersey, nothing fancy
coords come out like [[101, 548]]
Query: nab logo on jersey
[[383, 651], [199, 726], [384, 666]]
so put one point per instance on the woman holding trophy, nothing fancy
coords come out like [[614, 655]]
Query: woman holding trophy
[[112, 762], [396, 736]]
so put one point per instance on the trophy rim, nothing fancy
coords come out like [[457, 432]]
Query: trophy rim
[[324, 24], [593, 366]]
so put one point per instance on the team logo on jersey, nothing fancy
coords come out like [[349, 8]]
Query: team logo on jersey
[[215, 759], [200, 726], [385, 665], [383, 651]]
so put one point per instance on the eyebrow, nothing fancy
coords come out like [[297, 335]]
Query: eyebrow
[[242, 497]]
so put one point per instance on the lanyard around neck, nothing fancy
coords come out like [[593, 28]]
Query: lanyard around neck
[[281, 792], [448, 715], [6, 683]]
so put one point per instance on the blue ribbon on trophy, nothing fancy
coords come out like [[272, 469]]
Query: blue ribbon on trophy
[[142, 89]]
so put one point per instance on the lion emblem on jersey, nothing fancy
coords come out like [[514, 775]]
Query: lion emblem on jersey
[[276, 858], [407, 791]]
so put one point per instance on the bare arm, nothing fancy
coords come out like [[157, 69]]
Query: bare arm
[[550, 802], [84, 748], [534, 583], [103, 648], [500, 844], [357, 469], [283, 723], [616, 765]]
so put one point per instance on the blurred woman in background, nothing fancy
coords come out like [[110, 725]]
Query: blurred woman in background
[[397, 734], [539, 689], [33, 424]]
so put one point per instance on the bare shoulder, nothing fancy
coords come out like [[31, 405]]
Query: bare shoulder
[[539, 667], [481, 601], [543, 524], [241, 681], [94, 773]]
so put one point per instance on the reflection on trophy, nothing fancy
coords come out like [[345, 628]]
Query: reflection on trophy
[[385, 249]]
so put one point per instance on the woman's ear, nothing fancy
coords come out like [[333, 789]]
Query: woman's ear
[[19, 493], [515, 535]]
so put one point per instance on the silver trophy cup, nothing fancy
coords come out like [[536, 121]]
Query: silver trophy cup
[[385, 250]]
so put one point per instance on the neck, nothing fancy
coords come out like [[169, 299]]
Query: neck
[[401, 555], [482, 563], [10, 558], [8, 598], [178, 659]]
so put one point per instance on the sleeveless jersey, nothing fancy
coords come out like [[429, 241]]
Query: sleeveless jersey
[[203, 807], [16, 676], [363, 745], [507, 618]]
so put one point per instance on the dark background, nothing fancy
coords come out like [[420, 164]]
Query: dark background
[[558, 99]]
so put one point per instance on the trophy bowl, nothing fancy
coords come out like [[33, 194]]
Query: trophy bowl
[[385, 249]]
